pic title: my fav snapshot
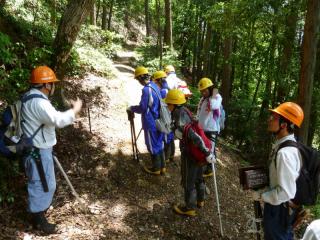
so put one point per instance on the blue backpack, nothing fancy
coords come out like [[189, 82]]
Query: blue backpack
[[12, 139]]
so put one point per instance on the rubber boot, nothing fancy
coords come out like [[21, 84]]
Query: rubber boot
[[162, 160], [208, 171], [156, 165], [40, 223], [183, 210]]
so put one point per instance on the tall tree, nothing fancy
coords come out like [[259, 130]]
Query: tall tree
[[110, 14], [227, 69], [104, 15], [168, 27], [75, 14], [159, 41], [93, 16], [288, 45], [147, 18], [309, 45]]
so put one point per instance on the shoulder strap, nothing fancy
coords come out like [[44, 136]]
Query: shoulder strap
[[155, 92], [24, 99], [288, 143]]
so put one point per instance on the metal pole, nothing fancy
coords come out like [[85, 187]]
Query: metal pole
[[89, 119], [139, 134], [258, 215], [135, 142], [217, 198], [73, 191]]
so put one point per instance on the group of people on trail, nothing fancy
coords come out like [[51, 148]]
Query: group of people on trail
[[161, 146], [280, 210], [39, 119]]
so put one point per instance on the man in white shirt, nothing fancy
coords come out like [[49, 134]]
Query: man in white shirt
[[172, 79], [39, 119], [285, 164]]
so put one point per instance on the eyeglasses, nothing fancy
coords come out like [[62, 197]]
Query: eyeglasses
[[274, 116]]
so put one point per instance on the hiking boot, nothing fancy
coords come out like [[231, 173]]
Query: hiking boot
[[39, 222], [182, 210], [152, 170], [163, 170], [207, 173], [200, 204]]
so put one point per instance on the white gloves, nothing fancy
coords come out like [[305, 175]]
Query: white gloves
[[211, 158]]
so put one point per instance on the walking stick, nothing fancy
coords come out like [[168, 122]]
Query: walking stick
[[139, 134], [73, 191], [217, 198], [89, 118], [258, 216], [135, 150]]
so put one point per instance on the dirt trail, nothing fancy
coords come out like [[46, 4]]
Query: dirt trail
[[124, 202]]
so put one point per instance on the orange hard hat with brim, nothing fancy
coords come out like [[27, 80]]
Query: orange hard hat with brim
[[43, 74], [290, 111]]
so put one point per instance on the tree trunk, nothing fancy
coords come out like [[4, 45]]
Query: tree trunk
[[207, 51], [227, 68], [288, 43], [158, 5], [70, 23], [168, 28], [93, 16], [308, 59], [110, 14], [147, 18], [98, 12], [104, 15], [315, 113]]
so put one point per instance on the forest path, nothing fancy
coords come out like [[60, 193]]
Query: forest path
[[123, 201]]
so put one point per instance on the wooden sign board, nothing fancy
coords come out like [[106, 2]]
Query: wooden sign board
[[253, 177]]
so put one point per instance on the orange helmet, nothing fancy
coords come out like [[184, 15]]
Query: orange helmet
[[42, 74], [290, 111]]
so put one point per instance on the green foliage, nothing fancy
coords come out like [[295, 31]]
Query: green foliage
[[9, 170], [316, 210], [149, 57], [105, 41], [95, 47]]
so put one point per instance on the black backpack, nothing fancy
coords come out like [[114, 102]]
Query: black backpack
[[308, 182]]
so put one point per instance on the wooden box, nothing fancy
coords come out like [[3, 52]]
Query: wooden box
[[253, 177]]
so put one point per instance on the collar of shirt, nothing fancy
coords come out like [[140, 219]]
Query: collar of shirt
[[37, 91]]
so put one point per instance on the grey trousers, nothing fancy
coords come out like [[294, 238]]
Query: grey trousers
[[192, 181]]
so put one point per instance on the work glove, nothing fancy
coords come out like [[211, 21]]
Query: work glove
[[211, 158], [256, 196]]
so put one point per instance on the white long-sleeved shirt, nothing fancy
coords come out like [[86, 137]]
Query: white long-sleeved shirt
[[38, 111], [209, 113], [313, 231], [172, 81], [284, 170]]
